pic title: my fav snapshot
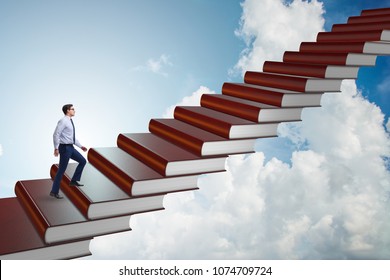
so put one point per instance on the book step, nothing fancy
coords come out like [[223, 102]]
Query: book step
[[375, 12], [311, 70], [250, 110], [347, 27], [59, 220], [381, 16], [19, 239], [167, 158], [224, 125], [377, 48], [198, 141], [345, 59], [135, 177], [354, 36], [294, 83], [272, 96], [101, 198]]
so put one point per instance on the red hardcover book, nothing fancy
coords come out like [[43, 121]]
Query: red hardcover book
[[349, 59], [101, 198], [376, 12], [311, 70], [224, 125], [368, 18], [19, 240], [294, 83], [346, 47], [58, 220], [354, 36], [271, 96], [198, 141], [166, 158], [249, 110], [135, 177], [361, 26]]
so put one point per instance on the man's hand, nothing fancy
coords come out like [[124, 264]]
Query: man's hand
[[84, 148], [56, 153]]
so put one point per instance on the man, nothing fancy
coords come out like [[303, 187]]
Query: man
[[64, 138]]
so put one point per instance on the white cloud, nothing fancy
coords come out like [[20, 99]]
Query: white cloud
[[352, 194], [330, 202], [350, 126], [388, 125], [1, 150], [271, 27], [192, 100], [156, 66]]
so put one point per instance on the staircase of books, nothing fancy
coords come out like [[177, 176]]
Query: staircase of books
[[134, 176]]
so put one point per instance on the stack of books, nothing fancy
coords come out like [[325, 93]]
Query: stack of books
[[134, 176]]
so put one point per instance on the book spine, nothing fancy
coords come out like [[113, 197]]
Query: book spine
[[110, 170], [368, 18], [176, 136], [361, 26], [244, 111], [301, 57], [374, 35], [275, 81], [315, 47], [253, 94], [32, 210], [142, 153], [212, 125], [318, 71], [376, 12], [74, 194]]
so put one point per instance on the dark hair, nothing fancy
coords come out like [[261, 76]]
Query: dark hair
[[66, 107]]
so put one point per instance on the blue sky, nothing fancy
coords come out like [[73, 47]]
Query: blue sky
[[123, 62]]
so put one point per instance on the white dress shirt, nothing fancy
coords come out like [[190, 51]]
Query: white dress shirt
[[63, 134]]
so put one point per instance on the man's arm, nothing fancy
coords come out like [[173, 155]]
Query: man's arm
[[78, 144], [56, 136]]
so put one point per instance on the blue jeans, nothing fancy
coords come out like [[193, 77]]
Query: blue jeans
[[68, 152]]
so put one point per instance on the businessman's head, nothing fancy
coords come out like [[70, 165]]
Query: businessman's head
[[68, 110]]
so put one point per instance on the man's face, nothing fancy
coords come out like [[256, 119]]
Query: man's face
[[71, 111]]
